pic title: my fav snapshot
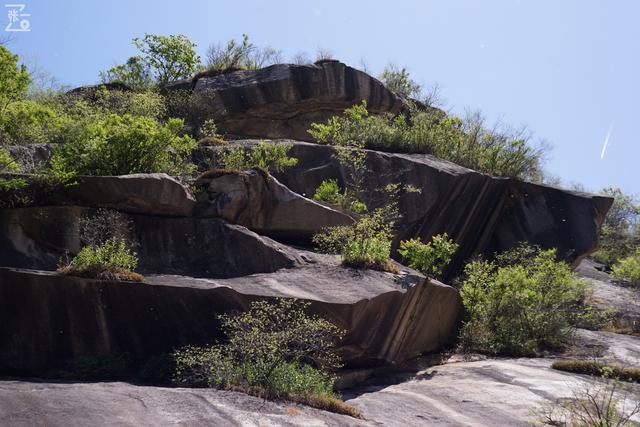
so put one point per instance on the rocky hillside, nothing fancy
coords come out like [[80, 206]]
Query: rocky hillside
[[230, 237]]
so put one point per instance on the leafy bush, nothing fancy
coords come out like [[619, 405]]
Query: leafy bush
[[628, 268], [10, 185], [430, 258], [123, 144], [14, 79], [519, 304], [112, 260], [365, 244], [272, 157], [7, 163], [620, 232], [134, 73], [241, 55], [467, 142], [329, 191], [29, 122], [398, 80], [273, 347]]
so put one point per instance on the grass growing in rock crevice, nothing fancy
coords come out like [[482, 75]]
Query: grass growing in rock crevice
[[598, 369]]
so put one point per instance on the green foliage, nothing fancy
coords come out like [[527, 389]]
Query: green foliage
[[598, 369], [273, 157], [209, 129], [123, 144], [30, 122], [398, 80], [430, 258], [169, 58], [14, 79], [135, 73], [519, 304], [113, 253], [467, 142], [628, 268], [275, 346], [329, 191], [365, 244], [620, 232], [241, 55], [8, 164]]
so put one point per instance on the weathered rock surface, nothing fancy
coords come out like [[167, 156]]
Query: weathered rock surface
[[119, 404], [501, 392], [47, 319], [281, 101], [38, 237], [152, 194], [482, 213], [261, 203]]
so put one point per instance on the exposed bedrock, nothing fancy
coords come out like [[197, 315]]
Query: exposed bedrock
[[281, 101], [38, 237], [261, 203], [47, 319], [484, 214]]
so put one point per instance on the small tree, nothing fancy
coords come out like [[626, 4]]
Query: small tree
[[398, 80], [135, 73], [14, 78], [241, 55], [170, 57], [430, 258], [620, 232]]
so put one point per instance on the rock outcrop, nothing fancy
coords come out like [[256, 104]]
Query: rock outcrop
[[484, 214], [261, 203], [49, 319], [281, 101], [38, 237]]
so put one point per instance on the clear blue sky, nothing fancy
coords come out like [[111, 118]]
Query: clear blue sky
[[568, 69]]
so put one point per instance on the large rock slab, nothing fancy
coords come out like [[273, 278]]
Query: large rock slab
[[281, 101], [258, 201], [38, 403], [38, 237], [48, 319], [152, 194], [484, 214]]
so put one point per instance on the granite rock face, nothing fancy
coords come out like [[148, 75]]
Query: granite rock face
[[261, 203], [484, 214], [38, 237], [281, 101], [49, 319]]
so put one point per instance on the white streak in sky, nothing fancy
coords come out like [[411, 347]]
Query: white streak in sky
[[606, 141]]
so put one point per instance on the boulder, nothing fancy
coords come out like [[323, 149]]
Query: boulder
[[48, 319], [38, 237], [258, 201], [484, 214], [281, 101]]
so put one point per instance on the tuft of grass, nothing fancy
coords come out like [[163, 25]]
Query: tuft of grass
[[325, 403], [102, 273], [598, 369]]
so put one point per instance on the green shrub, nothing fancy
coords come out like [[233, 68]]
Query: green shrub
[[14, 79], [112, 260], [119, 145], [467, 142], [8, 165], [598, 369], [430, 258], [329, 191], [520, 304], [628, 268], [274, 346], [399, 81], [134, 73], [620, 232], [30, 122], [272, 157], [365, 244], [242, 55]]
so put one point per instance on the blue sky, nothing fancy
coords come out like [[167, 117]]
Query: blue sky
[[568, 69]]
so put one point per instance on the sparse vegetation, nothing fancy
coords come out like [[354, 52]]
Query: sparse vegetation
[[111, 260], [628, 268], [241, 55], [430, 258], [598, 369], [398, 80], [269, 156], [620, 232], [274, 350], [467, 142], [522, 303]]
